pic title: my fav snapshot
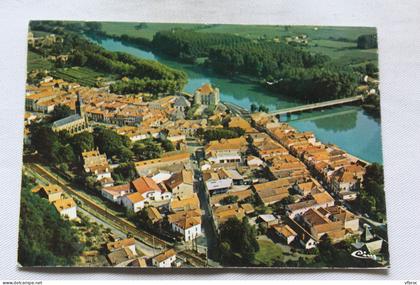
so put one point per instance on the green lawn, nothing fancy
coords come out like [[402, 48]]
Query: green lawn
[[268, 253]]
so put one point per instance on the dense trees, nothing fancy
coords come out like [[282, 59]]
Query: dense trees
[[238, 237], [147, 149], [45, 239], [367, 41], [61, 111], [125, 172], [372, 194], [113, 144], [222, 133]]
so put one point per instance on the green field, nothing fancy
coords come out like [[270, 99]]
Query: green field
[[268, 253], [35, 61], [337, 42], [83, 75]]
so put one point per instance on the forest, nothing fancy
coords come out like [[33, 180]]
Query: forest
[[289, 70]]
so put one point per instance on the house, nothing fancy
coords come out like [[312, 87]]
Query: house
[[347, 178], [187, 203], [239, 122], [308, 187], [129, 243], [248, 208], [269, 148], [223, 213], [207, 95], [154, 215], [254, 161], [267, 219], [218, 186], [181, 184], [164, 259], [174, 160], [121, 257], [273, 191], [226, 150], [237, 178], [66, 208], [115, 193], [285, 232], [51, 192], [306, 240], [187, 223], [97, 164], [134, 201], [145, 191]]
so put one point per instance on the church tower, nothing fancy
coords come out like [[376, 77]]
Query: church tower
[[79, 106]]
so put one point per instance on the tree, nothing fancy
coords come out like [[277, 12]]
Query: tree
[[367, 41], [60, 112], [263, 108], [111, 143], [94, 26], [82, 142], [45, 239], [125, 172], [372, 194], [241, 238], [229, 200], [254, 108], [147, 149]]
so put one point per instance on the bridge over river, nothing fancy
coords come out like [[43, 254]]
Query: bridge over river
[[309, 107]]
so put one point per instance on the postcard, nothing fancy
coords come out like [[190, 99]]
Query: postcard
[[202, 145]]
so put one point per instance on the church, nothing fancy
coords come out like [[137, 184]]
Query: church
[[73, 124]]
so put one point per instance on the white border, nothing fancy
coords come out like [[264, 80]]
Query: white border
[[399, 56]]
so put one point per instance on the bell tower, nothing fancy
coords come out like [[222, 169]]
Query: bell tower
[[79, 106]]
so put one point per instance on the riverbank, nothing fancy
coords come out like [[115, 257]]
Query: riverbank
[[343, 126]]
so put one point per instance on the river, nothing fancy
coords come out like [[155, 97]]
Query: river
[[349, 127]]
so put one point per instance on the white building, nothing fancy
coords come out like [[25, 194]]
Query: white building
[[66, 208], [164, 259], [187, 223]]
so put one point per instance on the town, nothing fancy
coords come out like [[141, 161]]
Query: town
[[187, 180]]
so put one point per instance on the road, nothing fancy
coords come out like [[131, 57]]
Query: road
[[119, 224]]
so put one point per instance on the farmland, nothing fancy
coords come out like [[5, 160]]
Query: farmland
[[36, 61], [83, 75], [337, 42]]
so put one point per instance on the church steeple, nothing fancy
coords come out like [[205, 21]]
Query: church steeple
[[79, 105]]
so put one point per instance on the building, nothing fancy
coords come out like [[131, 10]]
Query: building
[[285, 233], [187, 223], [226, 150], [218, 186], [181, 103], [115, 193], [169, 160], [186, 203], [181, 184], [164, 259], [66, 208], [207, 95], [51, 192], [154, 215], [273, 191], [97, 164], [223, 213], [73, 124]]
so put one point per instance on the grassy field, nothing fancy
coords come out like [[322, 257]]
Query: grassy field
[[35, 61], [337, 42], [268, 253], [83, 75]]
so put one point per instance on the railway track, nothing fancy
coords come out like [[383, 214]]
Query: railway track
[[119, 223]]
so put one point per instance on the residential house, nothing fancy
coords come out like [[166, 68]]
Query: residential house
[[115, 193], [51, 192], [178, 204], [187, 223], [285, 232], [164, 259], [66, 208], [226, 150], [273, 191], [181, 184]]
